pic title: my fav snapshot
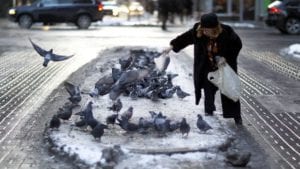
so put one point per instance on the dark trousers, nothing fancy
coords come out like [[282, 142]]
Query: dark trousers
[[230, 108]]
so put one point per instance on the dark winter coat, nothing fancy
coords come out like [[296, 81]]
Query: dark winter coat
[[229, 45]]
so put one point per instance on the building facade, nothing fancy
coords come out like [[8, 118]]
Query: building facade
[[242, 10]]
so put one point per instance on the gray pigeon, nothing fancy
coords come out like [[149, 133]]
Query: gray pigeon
[[238, 159], [126, 79], [127, 114], [74, 92], [202, 124], [180, 93], [48, 55], [184, 127]]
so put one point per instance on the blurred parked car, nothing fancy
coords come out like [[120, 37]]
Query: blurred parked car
[[136, 9], [285, 16], [110, 8], [79, 12]]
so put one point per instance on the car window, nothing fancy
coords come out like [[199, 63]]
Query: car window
[[65, 1], [49, 2], [83, 1]]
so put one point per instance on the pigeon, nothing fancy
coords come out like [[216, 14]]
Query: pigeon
[[87, 109], [181, 94], [125, 63], [55, 122], [126, 78], [202, 125], [127, 114], [111, 119], [116, 74], [127, 126], [174, 126], [98, 131], [167, 93], [117, 106], [144, 125], [74, 92], [238, 159], [184, 127], [161, 124], [102, 86], [66, 112], [48, 55]]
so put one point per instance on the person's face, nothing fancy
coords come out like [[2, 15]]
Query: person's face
[[211, 32]]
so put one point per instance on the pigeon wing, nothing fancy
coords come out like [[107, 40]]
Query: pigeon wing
[[60, 57], [38, 49]]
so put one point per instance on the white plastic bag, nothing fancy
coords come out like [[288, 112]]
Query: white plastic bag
[[227, 81]]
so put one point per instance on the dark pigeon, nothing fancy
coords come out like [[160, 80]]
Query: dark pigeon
[[102, 86], [98, 131], [74, 92], [65, 112], [117, 106], [202, 124], [55, 122], [48, 55], [184, 127], [174, 126], [180, 93], [144, 125], [111, 119], [127, 126], [237, 159]]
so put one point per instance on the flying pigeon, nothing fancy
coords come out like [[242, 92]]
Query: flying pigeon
[[184, 127], [48, 55], [202, 125], [74, 91]]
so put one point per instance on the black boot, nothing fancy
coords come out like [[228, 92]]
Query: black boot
[[238, 121]]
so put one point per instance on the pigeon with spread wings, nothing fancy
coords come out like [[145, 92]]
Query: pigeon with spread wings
[[48, 55]]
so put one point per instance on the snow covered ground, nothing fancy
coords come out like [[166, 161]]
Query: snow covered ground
[[293, 50], [141, 151]]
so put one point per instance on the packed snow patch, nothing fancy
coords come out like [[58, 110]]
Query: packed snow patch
[[142, 151]]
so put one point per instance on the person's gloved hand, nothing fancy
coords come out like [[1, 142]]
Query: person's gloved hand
[[220, 60], [167, 50]]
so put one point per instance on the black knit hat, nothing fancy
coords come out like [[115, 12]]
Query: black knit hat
[[209, 20]]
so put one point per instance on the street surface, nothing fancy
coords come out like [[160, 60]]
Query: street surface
[[270, 99]]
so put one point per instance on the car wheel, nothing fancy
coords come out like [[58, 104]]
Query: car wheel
[[83, 22], [292, 26], [25, 21]]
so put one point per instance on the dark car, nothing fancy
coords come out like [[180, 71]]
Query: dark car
[[285, 16], [79, 12]]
